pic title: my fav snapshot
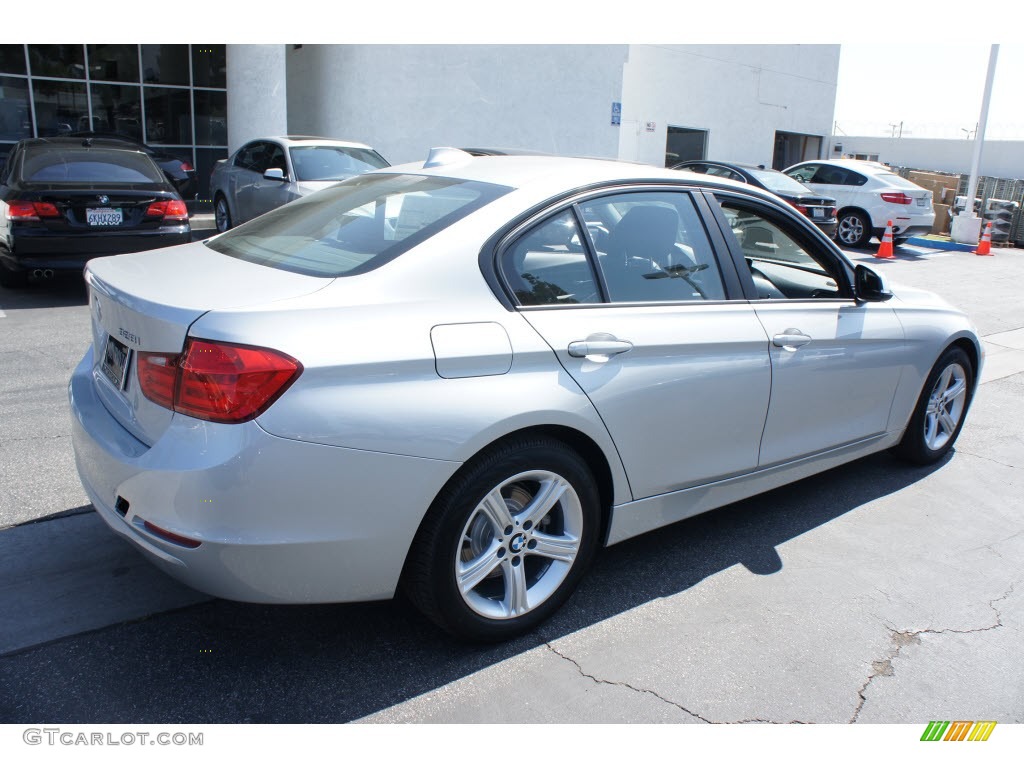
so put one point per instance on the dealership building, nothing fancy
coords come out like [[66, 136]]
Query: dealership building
[[658, 104]]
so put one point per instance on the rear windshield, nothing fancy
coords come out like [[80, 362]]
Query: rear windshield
[[356, 225], [333, 163], [88, 165], [777, 181], [897, 181]]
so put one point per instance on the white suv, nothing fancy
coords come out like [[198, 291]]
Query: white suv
[[868, 195]]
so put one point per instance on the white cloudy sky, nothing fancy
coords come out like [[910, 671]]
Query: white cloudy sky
[[935, 89]]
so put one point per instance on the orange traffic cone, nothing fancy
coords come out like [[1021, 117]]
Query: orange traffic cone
[[985, 246], [885, 249]]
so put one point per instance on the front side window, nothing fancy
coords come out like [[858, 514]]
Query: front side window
[[357, 225], [549, 266], [651, 246], [782, 263]]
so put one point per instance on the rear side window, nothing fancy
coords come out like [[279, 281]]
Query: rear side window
[[48, 164], [549, 265], [357, 225], [333, 163]]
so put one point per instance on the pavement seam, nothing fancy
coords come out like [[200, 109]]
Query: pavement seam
[[903, 637], [657, 695]]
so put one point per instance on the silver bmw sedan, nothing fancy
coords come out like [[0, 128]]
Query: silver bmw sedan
[[463, 377]]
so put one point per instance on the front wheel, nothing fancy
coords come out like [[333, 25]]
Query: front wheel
[[853, 230], [939, 415], [507, 541]]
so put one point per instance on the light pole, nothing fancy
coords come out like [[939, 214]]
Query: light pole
[[966, 226]]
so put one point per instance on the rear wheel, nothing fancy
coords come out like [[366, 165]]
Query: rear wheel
[[940, 410], [222, 214], [853, 229], [507, 541]]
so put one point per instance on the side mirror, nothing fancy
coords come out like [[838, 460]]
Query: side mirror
[[870, 285], [274, 174]]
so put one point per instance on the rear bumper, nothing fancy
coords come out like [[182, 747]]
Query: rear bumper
[[828, 227], [908, 226], [71, 251], [278, 520]]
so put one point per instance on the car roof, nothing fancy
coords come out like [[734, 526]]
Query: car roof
[[318, 141], [87, 142], [853, 165], [557, 172]]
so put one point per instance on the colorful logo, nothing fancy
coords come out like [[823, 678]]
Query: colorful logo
[[958, 730]]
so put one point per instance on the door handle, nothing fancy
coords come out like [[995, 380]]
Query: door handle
[[791, 339], [598, 347]]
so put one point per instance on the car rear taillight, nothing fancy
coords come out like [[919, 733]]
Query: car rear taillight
[[217, 381], [19, 210], [186, 166], [168, 210], [897, 197]]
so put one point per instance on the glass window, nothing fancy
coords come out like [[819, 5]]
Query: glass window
[[205, 160], [247, 155], [652, 247], [209, 66], [57, 60], [778, 182], [80, 164], [168, 116], [165, 64], [783, 264], [549, 265], [333, 163], [117, 109], [803, 173], [12, 59], [15, 115], [356, 225], [114, 62], [211, 117], [276, 158], [60, 107]]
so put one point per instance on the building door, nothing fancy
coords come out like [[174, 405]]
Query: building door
[[793, 148], [684, 144]]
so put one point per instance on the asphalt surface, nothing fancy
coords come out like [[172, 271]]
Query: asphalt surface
[[871, 593]]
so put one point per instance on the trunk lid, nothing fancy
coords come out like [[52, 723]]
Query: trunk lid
[[146, 302]]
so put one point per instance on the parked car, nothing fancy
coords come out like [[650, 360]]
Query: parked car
[[267, 173], [868, 195], [64, 201], [179, 172], [496, 152], [818, 208], [462, 378]]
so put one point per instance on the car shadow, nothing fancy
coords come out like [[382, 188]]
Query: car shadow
[[64, 290], [225, 662]]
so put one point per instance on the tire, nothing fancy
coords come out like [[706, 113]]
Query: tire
[[13, 279], [853, 230], [940, 410], [487, 571], [222, 214]]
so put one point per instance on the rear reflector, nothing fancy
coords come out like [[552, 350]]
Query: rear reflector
[[19, 210], [168, 210], [897, 197], [217, 381], [174, 538]]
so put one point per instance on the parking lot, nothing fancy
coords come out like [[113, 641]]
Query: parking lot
[[872, 593]]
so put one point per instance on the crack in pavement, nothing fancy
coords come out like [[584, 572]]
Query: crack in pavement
[[901, 638], [986, 458], [658, 696]]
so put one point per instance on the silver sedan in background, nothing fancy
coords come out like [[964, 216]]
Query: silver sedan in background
[[267, 173], [463, 377]]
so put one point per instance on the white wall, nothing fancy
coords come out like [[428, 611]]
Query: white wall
[[1000, 158], [405, 99], [257, 105], [741, 94]]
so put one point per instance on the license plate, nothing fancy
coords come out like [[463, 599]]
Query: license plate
[[922, 202], [817, 213], [103, 217], [115, 362]]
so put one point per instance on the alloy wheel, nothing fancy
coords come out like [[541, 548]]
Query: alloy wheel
[[519, 544], [945, 406]]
